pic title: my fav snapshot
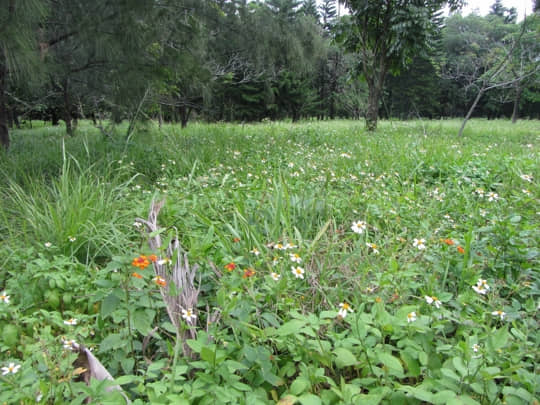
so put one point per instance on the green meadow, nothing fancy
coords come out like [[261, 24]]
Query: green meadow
[[316, 263]]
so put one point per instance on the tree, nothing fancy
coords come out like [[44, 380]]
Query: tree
[[309, 8], [19, 21], [387, 34], [328, 14], [524, 65], [101, 51], [509, 15], [415, 93], [498, 71]]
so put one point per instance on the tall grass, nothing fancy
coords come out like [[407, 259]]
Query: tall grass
[[79, 213]]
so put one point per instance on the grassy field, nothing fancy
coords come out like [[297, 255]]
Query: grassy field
[[332, 266]]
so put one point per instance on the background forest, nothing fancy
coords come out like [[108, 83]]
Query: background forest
[[242, 60]]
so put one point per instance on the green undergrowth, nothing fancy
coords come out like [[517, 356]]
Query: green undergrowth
[[335, 266]]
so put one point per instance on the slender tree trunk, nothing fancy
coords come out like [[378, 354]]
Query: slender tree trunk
[[54, 117], [469, 113], [517, 97], [184, 115], [68, 117], [4, 131], [295, 115]]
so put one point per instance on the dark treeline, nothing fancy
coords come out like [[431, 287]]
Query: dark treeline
[[240, 60]]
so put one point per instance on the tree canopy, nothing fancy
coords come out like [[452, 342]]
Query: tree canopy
[[240, 60]]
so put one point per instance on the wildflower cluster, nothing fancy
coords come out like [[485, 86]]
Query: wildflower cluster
[[142, 262]]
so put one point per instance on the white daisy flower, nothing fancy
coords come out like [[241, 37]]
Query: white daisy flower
[[420, 244], [11, 368], [71, 322], [188, 315], [359, 227], [295, 258], [298, 272], [4, 297], [411, 317], [344, 308], [433, 300]]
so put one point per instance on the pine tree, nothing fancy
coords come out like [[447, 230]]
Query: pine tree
[[19, 49], [309, 8], [328, 13]]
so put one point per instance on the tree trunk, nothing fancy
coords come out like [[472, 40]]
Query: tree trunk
[[374, 95], [68, 117], [54, 117], [4, 132], [515, 112], [184, 115], [469, 113], [295, 115]]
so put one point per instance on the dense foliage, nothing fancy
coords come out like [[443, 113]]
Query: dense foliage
[[333, 268], [239, 60]]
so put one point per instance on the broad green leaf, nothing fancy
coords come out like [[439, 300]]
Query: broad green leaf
[[127, 364], [450, 374], [109, 304], [195, 345], [234, 366], [310, 399], [142, 320], [460, 366], [287, 400], [290, 328], [271, 377], [127, 379], [240, 386], [417, 393], [344, 357], [113, 341], [499, 338], [392, 364], [300, 385], [443, 397], [423, 358], [463, 400], [519, 392], [412, 364], [208, 355], [180, 370], [371, 399]]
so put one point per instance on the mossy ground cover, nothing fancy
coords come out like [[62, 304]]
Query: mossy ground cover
[[335, 266]]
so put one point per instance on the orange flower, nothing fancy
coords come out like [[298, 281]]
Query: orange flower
[[236, 240], [230, 266], [248, 273], [160, 281], [141, 262], [136, 275], [153, 258], [460, 250], [449, 242]]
